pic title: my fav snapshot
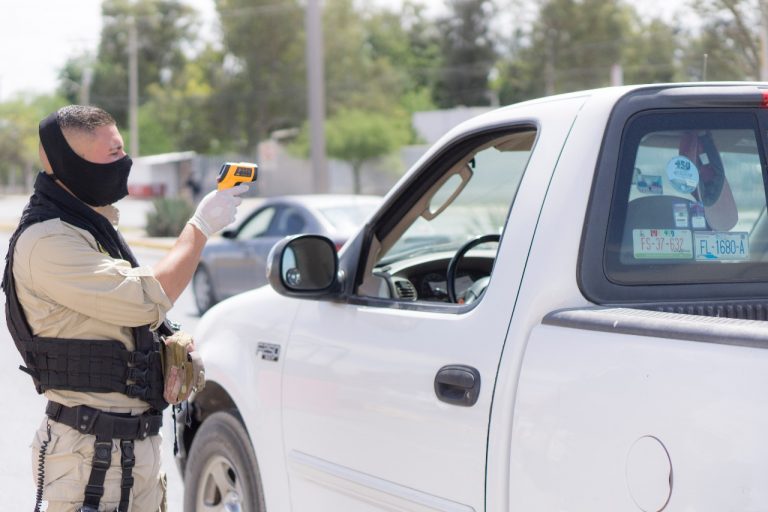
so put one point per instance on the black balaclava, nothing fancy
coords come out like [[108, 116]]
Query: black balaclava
[[94, 184]]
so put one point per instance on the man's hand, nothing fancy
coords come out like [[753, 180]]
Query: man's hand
[[217, 210]]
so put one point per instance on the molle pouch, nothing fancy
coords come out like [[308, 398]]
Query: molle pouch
[[183, 371]]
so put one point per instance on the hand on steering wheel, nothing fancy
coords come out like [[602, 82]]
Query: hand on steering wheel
[[450, 280]]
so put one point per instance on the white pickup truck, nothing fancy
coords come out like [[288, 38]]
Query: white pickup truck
[[560, 307]]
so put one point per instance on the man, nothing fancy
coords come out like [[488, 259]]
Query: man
[[84, 314]]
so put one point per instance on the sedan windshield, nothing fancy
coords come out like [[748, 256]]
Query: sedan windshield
[[347, 219]]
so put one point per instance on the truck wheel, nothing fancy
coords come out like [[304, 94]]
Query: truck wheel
[[222, 473], [202, 287]]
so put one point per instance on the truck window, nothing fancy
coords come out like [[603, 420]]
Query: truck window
[[466, 204], [690, 200]]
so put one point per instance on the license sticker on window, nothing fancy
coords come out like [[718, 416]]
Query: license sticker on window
[[698, 220], [680, 212], [662, 244], [649, 184], [712, 246], [683, 174]]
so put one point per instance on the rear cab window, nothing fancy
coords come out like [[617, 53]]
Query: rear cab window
[[688, 202], [686, 220]]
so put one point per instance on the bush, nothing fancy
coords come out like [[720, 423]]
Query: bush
[[168, 217]]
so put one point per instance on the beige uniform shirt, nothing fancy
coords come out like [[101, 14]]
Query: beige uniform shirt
[[71, 288]]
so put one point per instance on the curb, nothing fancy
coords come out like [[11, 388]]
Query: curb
[[164, 244]]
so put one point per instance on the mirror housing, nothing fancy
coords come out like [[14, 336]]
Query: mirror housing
[[304, 266]]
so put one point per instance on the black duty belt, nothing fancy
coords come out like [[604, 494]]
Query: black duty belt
[[107, 427], [88, 420]]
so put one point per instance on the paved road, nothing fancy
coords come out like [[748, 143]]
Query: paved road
[[22, 409]]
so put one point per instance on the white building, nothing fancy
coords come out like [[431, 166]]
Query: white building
[[166, 175]]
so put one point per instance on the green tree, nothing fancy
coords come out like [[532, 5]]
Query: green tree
[[727, 45], [361, 68], [165, 28], [650, 56], [259, 83], [19, 120], [469, 53], [576, 44], [75, 77], [409, 43], [357, 136], [181, 117], [380, 60]]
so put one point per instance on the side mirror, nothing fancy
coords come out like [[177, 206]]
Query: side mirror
[[304, 266], [229, 233]]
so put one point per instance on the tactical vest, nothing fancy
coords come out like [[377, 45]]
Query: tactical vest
[[99, 366]]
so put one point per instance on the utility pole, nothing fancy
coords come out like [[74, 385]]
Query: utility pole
[[316, 95], [133, 86], [85, 87], [763, 40], [549, 63]]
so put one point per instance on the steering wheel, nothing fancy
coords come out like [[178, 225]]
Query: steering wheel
[[450, 278]]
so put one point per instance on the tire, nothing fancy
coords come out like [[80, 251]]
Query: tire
[[202, 288], [222, 474]]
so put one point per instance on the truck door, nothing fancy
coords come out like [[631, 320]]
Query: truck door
[[387, 395]]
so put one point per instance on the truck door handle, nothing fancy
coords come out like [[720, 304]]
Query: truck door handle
[[458, 384]]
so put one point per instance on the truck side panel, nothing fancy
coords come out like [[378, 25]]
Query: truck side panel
[[597, 410]]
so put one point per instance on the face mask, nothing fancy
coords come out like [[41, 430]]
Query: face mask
[[94, 184]]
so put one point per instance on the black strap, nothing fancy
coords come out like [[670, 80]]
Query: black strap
[[102, 458], [127, 461], [106, 427]]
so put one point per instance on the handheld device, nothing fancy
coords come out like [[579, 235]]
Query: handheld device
[[232, 174]]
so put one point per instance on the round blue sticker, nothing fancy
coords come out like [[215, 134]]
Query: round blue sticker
[[683, 174]]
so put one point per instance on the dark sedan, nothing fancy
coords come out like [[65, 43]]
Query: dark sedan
[[236, 262]]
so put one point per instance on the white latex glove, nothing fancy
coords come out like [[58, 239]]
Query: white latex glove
[[217, 209]]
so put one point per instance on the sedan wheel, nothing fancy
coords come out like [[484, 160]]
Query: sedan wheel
[[222, 474], [202, 287]]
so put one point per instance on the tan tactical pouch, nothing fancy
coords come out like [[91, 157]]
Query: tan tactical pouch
[[183, 371]]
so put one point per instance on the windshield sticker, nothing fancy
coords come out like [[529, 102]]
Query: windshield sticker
[[649, 184], [721, 246], [698, 221], [662, 244], [683, 174], [681, 215]]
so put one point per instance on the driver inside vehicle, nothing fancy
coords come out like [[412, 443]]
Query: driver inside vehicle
[[444, 246]]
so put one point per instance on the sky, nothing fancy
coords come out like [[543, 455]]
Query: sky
[[38, 36]]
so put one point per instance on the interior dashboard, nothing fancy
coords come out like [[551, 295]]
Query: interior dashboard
[[424, 278]]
